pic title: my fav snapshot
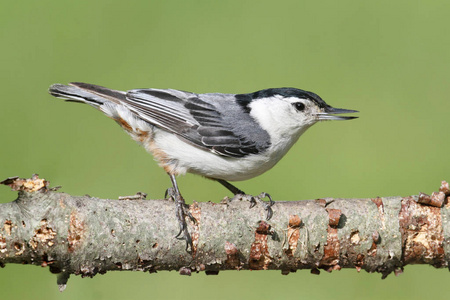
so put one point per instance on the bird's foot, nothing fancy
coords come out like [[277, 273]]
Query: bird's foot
[[258, 199], [267, 204], [182, 211]]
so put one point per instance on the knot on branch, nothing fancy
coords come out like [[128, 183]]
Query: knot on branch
[[30, 185]]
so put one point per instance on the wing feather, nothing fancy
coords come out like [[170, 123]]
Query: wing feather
[[194, 119], [198, 119], [209, 121]]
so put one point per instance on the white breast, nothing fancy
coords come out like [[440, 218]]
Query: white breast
[[183, 157]]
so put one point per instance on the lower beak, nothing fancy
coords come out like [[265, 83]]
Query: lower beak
[[329, 113]]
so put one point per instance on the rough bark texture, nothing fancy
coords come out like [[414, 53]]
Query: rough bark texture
[[86, 236]]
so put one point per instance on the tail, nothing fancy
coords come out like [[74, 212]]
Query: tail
[[111, 102], [93, 95]]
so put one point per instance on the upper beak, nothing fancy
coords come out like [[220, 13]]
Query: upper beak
[[329, 113]]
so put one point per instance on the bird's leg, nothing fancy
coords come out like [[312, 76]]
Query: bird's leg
[[230, 187], [253, 200], [182, 211]]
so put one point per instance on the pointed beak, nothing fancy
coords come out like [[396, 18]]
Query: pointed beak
[[329, 113]]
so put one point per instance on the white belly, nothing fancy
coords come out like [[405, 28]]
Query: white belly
[[184, 157]]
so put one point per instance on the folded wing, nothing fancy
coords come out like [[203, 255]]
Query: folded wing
[[197, 118]]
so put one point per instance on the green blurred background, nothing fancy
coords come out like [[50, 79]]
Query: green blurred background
[[388, 59]]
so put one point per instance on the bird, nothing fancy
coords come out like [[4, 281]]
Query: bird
[[223, 137]]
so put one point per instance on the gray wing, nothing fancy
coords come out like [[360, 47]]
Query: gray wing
[[210, 121]]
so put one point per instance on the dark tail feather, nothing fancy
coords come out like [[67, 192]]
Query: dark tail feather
[[93, 95]]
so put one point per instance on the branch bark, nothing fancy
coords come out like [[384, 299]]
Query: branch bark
[[86, 235]]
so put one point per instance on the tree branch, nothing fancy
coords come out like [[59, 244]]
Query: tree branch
[[85, 235]]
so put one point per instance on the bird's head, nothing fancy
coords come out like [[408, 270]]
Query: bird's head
[[289, 111]]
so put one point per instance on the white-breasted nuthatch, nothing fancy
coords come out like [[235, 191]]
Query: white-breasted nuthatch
[[224, 137]]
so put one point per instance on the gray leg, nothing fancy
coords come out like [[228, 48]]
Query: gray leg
[[181, 213], [230, 187]]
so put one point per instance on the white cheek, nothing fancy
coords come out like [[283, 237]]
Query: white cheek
[[281, 121], [276, 116]]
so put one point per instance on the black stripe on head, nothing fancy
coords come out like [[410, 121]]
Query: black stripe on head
[[244, 100]]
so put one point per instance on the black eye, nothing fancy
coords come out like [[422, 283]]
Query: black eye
[[299, 106]]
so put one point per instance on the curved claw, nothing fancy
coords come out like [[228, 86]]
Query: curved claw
[[267, 206], [191, 217], [179, 232], [186, 237], [252, 202], [181, 215], [269, 213], [170, 193]]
